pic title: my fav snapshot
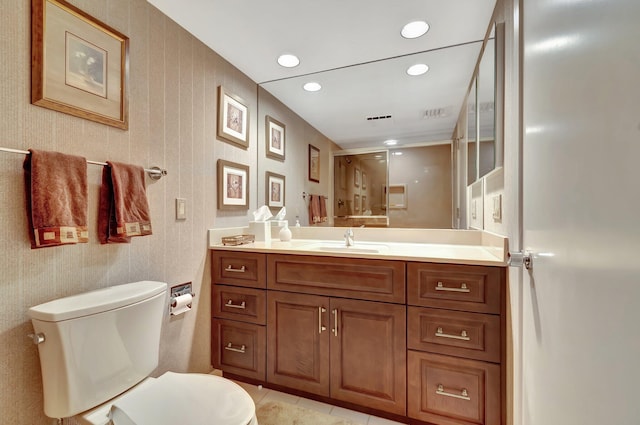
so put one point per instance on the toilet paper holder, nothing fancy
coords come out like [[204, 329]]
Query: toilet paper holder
[[178, 291]]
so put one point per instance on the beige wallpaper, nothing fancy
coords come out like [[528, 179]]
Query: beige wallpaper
[[173, 107]]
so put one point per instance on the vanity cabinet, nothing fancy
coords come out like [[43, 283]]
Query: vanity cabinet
[[349, 350], [238, 327], [456, 342], [416, 339]]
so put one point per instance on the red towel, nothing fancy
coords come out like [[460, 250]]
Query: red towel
[[56, 190], [124, 210]]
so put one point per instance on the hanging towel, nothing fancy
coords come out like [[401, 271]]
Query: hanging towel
[[56, 193], [314, 209], [323, 209], [124, 210]]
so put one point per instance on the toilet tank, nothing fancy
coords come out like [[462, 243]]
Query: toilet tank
[[98, 344]]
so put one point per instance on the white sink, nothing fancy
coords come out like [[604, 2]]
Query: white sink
[[334, 246]]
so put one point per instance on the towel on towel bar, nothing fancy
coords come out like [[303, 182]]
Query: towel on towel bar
[[124, 210], [56, 193], [317, 209]]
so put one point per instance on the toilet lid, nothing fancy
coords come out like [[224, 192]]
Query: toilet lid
[[181, 398]]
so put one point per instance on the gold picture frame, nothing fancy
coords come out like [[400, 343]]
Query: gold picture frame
[[275, 138], [275, 190], [79, 65], [233, 185], [233, 119]]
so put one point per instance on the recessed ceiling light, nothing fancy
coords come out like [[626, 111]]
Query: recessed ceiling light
[[312, 86], [414, 29], [288, 61], [391, 142], [417, 69]]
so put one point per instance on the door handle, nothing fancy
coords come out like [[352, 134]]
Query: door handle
[[519, 259], [335, 321]]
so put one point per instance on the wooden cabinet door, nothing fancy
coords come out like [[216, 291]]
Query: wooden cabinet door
[[298, 341], [368, 354]]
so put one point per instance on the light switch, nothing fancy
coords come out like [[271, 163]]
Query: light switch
[[497, 208], [181, 209]]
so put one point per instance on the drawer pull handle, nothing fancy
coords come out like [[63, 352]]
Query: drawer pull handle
[[464, 395], [463, 335], [462, 288], [320, 327], [231, 269], [241, 306], [230, 347], [335, 321]]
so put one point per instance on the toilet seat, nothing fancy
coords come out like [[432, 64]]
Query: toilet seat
[[184, 398]]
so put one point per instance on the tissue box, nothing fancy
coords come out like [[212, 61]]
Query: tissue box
[[261, 229]]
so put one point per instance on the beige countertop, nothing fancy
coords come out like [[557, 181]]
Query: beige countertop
[[472, 247]]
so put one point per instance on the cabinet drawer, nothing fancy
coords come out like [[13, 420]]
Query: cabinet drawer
[[373, 280], [453, 391], [457, 287], [235, 303], [239, 348], [238, 268], [456, 333]]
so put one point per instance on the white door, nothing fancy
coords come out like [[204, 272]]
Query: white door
[[581, 212]]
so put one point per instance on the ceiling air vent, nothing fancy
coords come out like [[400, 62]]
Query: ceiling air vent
[[379, 117], [436, 113]]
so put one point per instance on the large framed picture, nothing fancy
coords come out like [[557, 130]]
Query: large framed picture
[[233, 119], [233, 186], [275, 138], [275, 190], [79, 65], [314, 164]]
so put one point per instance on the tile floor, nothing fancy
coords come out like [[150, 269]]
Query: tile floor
[[263, 395]]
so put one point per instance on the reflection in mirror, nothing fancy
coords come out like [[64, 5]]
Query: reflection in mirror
[[472, 134], [359, 194], [420, 185], [416, 194], [486, 109]]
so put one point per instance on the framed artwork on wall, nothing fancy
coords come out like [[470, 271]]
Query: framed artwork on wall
[[79, 65], [233, 186], [356, 177], [233, 119], [356, 203], [364, 180], [275, 138], [275, 189], [314, 164]]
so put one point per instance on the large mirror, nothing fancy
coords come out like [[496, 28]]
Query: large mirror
[[415, 190]]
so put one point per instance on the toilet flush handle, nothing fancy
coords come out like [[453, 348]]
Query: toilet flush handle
[[37, 338]]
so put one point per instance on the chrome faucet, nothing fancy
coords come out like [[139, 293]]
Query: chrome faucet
[[348, 237]]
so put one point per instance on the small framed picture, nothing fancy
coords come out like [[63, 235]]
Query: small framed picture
[[356, 177], [364, 180], [364, 203], [356, 203], [275, 138], [79, 65], [314, 164], [233, 119], [233, 186], [275, 190]]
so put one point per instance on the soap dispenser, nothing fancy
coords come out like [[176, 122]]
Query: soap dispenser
[[285, 233]]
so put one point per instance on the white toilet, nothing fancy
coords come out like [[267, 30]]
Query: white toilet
[[97, 350]]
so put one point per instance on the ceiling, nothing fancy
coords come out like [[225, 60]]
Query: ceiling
[[354, 49]]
